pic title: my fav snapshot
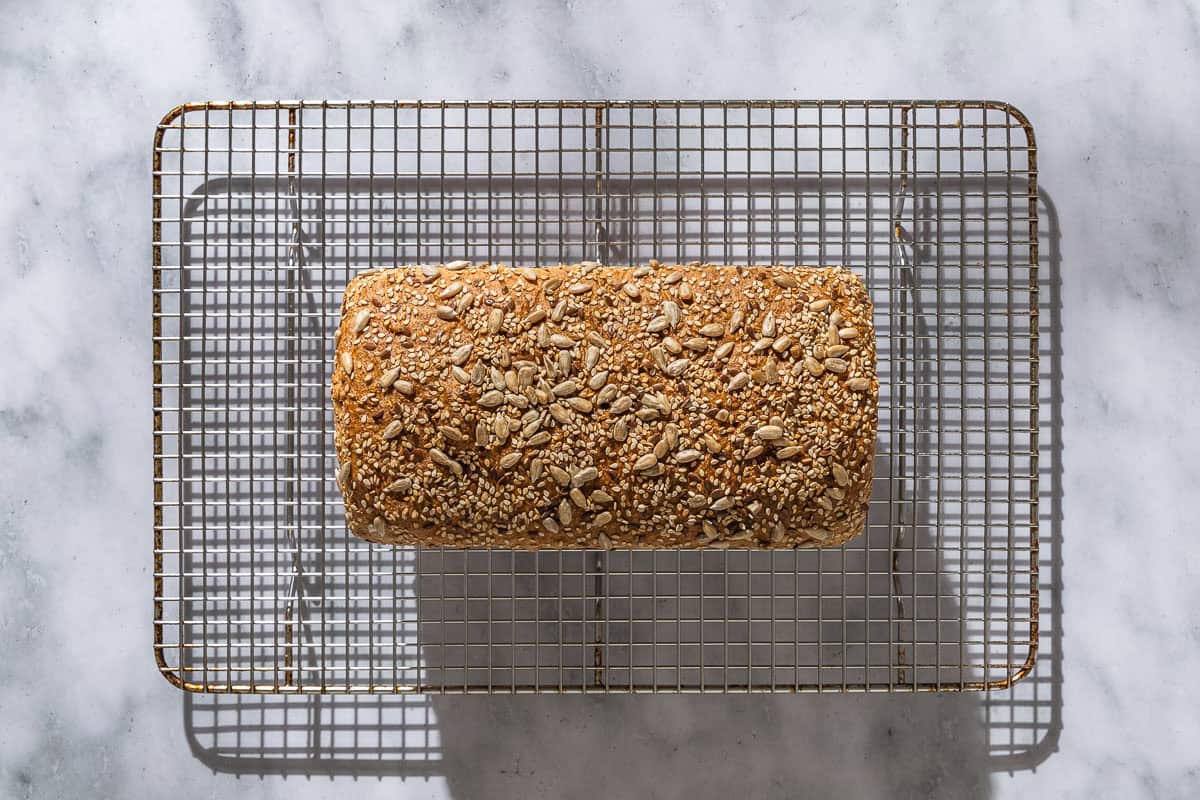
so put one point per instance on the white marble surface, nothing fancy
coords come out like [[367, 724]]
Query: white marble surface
[[1112, 89]]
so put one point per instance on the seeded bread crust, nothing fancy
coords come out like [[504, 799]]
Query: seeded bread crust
[[585, 406]]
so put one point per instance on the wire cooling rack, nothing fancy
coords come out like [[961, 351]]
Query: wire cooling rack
[[264, 210]]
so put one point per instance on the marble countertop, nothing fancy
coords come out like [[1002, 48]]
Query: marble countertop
[[1110, 709]]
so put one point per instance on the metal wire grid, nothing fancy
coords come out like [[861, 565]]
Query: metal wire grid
[[263, 211]]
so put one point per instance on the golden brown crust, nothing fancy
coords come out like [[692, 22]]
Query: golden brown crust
[[586, 406]]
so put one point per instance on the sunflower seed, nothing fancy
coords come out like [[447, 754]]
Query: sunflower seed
[[529, 416], [831, 336], [452, 434], [813, 366], [509, 460], [768, 325], [447, 313], [685, 293], [775, 419], [491, 399], [516, 400], [598, 381], [361, 319], [535, 469], [478, 373], [551, 525], [619, 431], [578, 497], [645, 462], [497, 378], [787, 452], [696, 502], [591, 357], [565, 515], [464, 302], [561, 341], [429, 273], [560, 475], [510, 381], [738, 381], [388, 378], [754, 452], [602, 519], [565, 388], [552, 285], [671, 435], [538, 439], [687, 456], [677, 367], [761, 345], [457, 265], [532, 427], [564, 363], [482, 436], [622, 404], [835, 494], [461, 354], [711, 444], [495, 320], [769, 432], [839, 474], [583, 287], [580, 404], [672, 345], [642, 272], [525, 376], [671, 312], [836, 365], [836, 318], [443, 460], [631, 289], [848, 333], [713, 330], [560, 413], [399, 486], [819, 351], [543, 336], [658, 324], [722, 503], [534, 317], [858, 384], [661, 449], [699, 345], [559, 311], [825, 503], [771, 371], [347, 361], [781, 344], [393, 429], [528, 273], [600, 496], [722, 352], [819, 305], [650, 400], [450, 291], [647, 414], [672, 278], [584, 476], [596, 339], [785, 281]]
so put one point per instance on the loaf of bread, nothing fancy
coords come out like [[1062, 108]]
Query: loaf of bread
[[589, 406]]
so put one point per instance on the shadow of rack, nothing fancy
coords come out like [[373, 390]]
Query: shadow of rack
[[261, 590]]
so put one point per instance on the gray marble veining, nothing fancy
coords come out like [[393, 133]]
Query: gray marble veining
[[1111, 710]]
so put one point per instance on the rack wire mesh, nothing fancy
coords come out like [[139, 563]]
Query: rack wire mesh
[[264, 210]]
